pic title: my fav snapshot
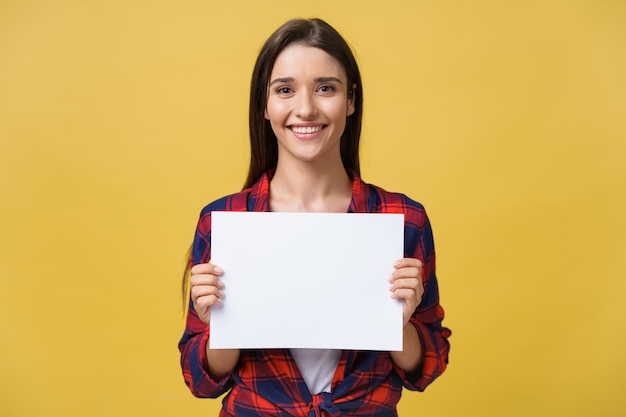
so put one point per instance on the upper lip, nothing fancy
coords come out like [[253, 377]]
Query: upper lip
[[307, 125]]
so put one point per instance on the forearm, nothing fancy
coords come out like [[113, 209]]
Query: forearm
[[221, 362], [410, 358]]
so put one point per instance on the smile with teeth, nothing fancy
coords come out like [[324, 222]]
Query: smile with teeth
[[306, 129]]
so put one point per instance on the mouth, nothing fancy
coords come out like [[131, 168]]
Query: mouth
[[305, 130]]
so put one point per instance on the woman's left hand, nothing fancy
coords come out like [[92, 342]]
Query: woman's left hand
[[406, 285]]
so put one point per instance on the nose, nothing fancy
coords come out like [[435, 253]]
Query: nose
[[305, 106]]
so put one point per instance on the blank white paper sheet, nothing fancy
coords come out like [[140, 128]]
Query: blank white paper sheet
[[307, 280]]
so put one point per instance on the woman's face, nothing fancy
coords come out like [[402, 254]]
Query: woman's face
[[308, 104]]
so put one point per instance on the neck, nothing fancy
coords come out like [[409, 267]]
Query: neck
[[310, 188]]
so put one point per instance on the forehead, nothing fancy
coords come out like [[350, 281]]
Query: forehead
[[301, 61]]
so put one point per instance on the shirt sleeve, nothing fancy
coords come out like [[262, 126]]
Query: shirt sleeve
[[428, 316], [192, 345]]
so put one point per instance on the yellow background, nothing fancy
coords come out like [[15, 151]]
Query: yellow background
[[120, 119]]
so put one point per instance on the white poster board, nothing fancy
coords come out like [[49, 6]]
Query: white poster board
[[307, 280]]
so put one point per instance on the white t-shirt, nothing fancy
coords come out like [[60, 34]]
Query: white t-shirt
[[317, 367]]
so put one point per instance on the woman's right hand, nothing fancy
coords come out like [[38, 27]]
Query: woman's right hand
[[206, 289]]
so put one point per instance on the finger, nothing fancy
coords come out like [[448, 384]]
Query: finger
[[406, 294], [408, 272], [411, 298], [200, 290], [406, 283], [205, 279], [207, 301], [209, 293], [408, 262], [207, 268]]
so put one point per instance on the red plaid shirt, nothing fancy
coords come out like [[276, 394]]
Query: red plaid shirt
[[268, 382]]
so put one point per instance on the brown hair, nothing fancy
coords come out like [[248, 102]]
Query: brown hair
[[263, 143], [308, 32]]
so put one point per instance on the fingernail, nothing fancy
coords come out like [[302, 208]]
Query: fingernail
[[218, 270]]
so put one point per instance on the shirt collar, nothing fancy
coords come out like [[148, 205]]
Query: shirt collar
[[260, 191]]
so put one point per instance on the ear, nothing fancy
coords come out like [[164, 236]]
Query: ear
[[351, 100], [267, 116]]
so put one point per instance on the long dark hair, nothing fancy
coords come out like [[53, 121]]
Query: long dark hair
[[309, 32], [263, 143]]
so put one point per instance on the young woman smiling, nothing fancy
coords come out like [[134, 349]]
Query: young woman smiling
[[305, 123]]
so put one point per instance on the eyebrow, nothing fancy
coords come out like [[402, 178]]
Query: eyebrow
[[318, 80]]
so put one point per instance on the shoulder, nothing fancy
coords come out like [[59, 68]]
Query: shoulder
[[418, 239], [383, 201], [232, 202], [254, 198]]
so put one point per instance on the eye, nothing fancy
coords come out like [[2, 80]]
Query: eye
[[284, 90], [326, 88]]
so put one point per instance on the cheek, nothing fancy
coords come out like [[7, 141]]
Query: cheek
[[268, 110], [336, 110], [275, 111]]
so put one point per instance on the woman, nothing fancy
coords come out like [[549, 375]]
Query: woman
[[305, 124]]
